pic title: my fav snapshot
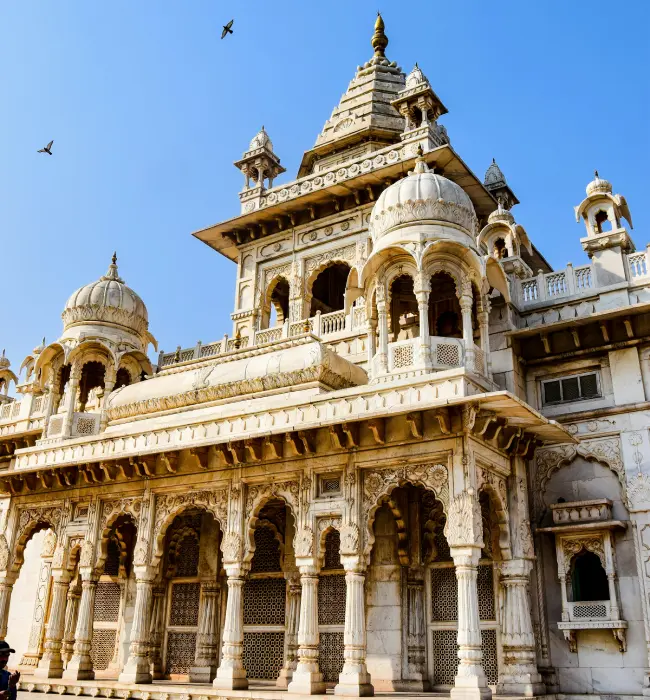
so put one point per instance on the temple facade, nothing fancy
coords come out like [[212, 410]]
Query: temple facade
[[419, 463]]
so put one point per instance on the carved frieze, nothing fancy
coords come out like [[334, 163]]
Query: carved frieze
[[464, 524], [257, 493]]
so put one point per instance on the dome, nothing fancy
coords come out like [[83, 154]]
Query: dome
[[261, 140], [108, 300], [599, 186], [422, 196], [494, 177], [415, 77]]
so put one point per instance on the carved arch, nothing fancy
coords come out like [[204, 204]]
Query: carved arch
[[108, 531], [23, 536], [257, 497], [499, 509], [338, 258]]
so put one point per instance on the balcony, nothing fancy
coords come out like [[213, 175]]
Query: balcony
[[582, 511]]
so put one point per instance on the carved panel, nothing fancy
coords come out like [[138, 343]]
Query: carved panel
[[263, 654], [331, 655]]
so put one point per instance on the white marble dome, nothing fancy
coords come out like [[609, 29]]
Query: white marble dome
[[108, 300], [422, 197], [599, 186], [260, 140], [501, 215]]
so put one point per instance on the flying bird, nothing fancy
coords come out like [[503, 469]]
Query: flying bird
[[227, 29], [47, 149]]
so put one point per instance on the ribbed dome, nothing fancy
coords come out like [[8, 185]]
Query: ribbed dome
[[500, 214], [599, 186], [260, 140], [422, 196], [108, 300], [493, 176]]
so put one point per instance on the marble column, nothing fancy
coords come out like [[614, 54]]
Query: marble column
[[6, 586], [354, 680], [80, 666], [416, 632], [109, 382], [485, 338], [207, 638], [291, 634], [51, 665], [231, 674], [33, 654], [156, 632], [382, 320], [466, 303], [470, 682], [75, 378], [371, 340], [137, 668], [71, 613], [307, 678], [423, 313], [518, 674]]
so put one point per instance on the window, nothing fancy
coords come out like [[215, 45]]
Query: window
[[575, 388], [588, 578], [329, 485]]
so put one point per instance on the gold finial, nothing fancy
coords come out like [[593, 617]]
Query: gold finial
[[379, 40], [420, 152], [114, 258], [596, 174]]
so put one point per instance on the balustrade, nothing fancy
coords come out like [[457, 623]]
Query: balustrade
[[555, 285]]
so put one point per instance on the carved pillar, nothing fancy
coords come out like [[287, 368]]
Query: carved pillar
[[422, 295], [518, 674], [156, 632], [33, 654], [71, 613], [51, 665], [52, 399], [372, 341], [382, 320], [136, 669], [80, 666], [485, 339], [307, 678], [466, 302], [293, 620], [75, 377], [6, 586], [231, 674], [464, 532], [416, 630], [109, 382], [207, 638], [354, 679]]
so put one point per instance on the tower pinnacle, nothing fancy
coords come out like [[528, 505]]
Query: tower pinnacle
[[379, 40]]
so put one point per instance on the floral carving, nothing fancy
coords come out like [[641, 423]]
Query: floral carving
[[4, 553], [572, 547], [231, 547], [464, 524], [87, 554], [111, 509], [638, 492], [379, 482], [288, 490], [215, 502], [303, 543], [350, 539], [49, 544]]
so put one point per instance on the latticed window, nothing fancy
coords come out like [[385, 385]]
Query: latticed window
[[184, 610], [267, 552], [332, 559], [330, 659], [112, 563], [263, 654], [264, 601], [187, 561]]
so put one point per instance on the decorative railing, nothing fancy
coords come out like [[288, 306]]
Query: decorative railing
[[581, 511], [445, 353], [554, 285], [637, 265], [584, 611], [331, 323], [6, 410]]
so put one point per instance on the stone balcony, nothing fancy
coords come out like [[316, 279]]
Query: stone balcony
[[582, 511]]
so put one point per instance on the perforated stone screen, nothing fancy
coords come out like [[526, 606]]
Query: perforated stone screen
[[331, 600], [485, 585], [264, 601], [181, 648], [102, 649], [185, 605], [188, 557], [332, 559], [445, 656], [112, 563], [263, 654], [490, 659], [107, 602], [267, 552], [444, 595], [331, 655]]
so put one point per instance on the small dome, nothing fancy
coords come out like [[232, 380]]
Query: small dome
[[501, 215], [422, 196], [494, 177], [39, 348], [108, 300], [4, 361], [261, 140], [415, 77], [599, 186]]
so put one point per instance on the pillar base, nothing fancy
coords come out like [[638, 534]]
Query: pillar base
[[516, 685], [49, 668], [79, 671], [357, 685], [470, 693], [286, 674], [138, 671], [307, 683], [230, 679], [203, 674]]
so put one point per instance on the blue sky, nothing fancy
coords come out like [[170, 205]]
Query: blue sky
[[148, 109]]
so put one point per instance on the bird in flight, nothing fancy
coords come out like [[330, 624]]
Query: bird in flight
[[227, 29], [47, 149]]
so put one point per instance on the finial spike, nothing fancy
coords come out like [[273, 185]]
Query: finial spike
[[379, 39], [114, 258], [494, 161], [596, 174]]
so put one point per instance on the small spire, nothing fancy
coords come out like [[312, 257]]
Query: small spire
[[111, 273], [379, 40], [494, 161], [114, 258], [420, 163], [596, 174]]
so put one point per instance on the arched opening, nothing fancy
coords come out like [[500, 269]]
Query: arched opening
[[123, 378], [91, 386], [265, 594], [114, 594], [404, 315], [63, 388], [331, 607], [328, 289], [445, 318], [500, 249], [276, 304], [602, 222], [588, 578], [188, 577]]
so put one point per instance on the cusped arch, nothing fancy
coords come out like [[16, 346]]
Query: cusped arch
[[282, 493], [93, 350], [23, 536], [108, 530], [309, 282], [500, 510], [381, 260]]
